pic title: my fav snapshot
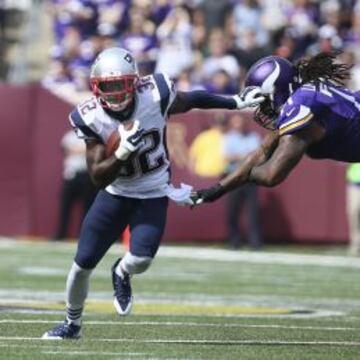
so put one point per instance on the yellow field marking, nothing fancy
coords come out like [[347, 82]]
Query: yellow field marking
[[160, 308]]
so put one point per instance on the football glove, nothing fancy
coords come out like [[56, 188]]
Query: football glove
[[130, 140], [251, 96], [207, 195]]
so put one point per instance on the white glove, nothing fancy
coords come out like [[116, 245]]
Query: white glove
[[181, 196], [251, 96], [130, 140]]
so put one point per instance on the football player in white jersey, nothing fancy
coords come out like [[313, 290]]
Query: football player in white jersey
[[135, 180]]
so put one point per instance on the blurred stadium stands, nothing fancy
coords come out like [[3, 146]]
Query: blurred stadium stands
[[55, 41]]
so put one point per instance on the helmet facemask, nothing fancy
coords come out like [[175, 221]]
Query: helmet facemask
[[277, 79], [265, 114], [115, 92], [268, 111]]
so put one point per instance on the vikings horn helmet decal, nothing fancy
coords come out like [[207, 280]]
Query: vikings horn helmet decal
[[277, 78]]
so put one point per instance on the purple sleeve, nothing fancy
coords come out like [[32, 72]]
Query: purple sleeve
[[294, 118], [298, 111]]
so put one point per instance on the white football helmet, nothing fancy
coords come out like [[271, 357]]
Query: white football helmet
[[113, 78]]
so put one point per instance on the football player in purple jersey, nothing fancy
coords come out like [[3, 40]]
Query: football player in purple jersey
[[309, 112]]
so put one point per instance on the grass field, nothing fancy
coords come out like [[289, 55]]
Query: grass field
[[194, 303]]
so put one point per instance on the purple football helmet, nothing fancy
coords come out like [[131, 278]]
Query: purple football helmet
[[277, 78]]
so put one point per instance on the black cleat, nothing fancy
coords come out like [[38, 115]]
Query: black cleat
[[123, 298], [65, 330]]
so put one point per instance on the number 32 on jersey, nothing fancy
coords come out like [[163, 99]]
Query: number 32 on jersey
[[147, 160]]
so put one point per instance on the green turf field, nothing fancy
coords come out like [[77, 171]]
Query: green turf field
[[193, 303]]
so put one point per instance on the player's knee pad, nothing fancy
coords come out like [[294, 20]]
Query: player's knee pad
[[133, 264]]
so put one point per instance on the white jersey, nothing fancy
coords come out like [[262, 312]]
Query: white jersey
[[147, 174]]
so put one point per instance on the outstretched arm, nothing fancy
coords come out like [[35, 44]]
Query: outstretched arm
[[200, 99], [286, 156], [241, 175], [268, 166]]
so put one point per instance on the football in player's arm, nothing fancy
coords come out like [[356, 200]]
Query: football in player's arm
[[309, 112], [134, 180]]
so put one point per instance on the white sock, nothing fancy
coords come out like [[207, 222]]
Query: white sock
[[119, 270], [76, 322], [77, 286]]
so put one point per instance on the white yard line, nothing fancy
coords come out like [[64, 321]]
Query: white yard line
[[74, 353], [172, 274], [206, 253], [258, 257], [97, 353], [194, 341], [27, 297], [191, 324]]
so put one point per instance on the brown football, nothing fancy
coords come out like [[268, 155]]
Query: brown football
[[114, 139], [112, 143]]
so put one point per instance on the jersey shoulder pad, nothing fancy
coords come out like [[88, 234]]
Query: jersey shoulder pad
[[84, 120], [304, 95], [293, 117], [165, 91]]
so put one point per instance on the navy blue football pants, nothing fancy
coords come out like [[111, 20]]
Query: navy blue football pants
[[107, 219]]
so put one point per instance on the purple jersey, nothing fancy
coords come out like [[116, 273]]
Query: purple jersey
[[336, 108]]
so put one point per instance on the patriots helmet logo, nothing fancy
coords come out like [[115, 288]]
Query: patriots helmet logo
[[129, 58]]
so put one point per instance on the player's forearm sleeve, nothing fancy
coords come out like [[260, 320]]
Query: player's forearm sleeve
[[200, 99]]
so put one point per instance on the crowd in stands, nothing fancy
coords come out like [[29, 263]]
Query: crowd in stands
[[208, 44], [12, 15]]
